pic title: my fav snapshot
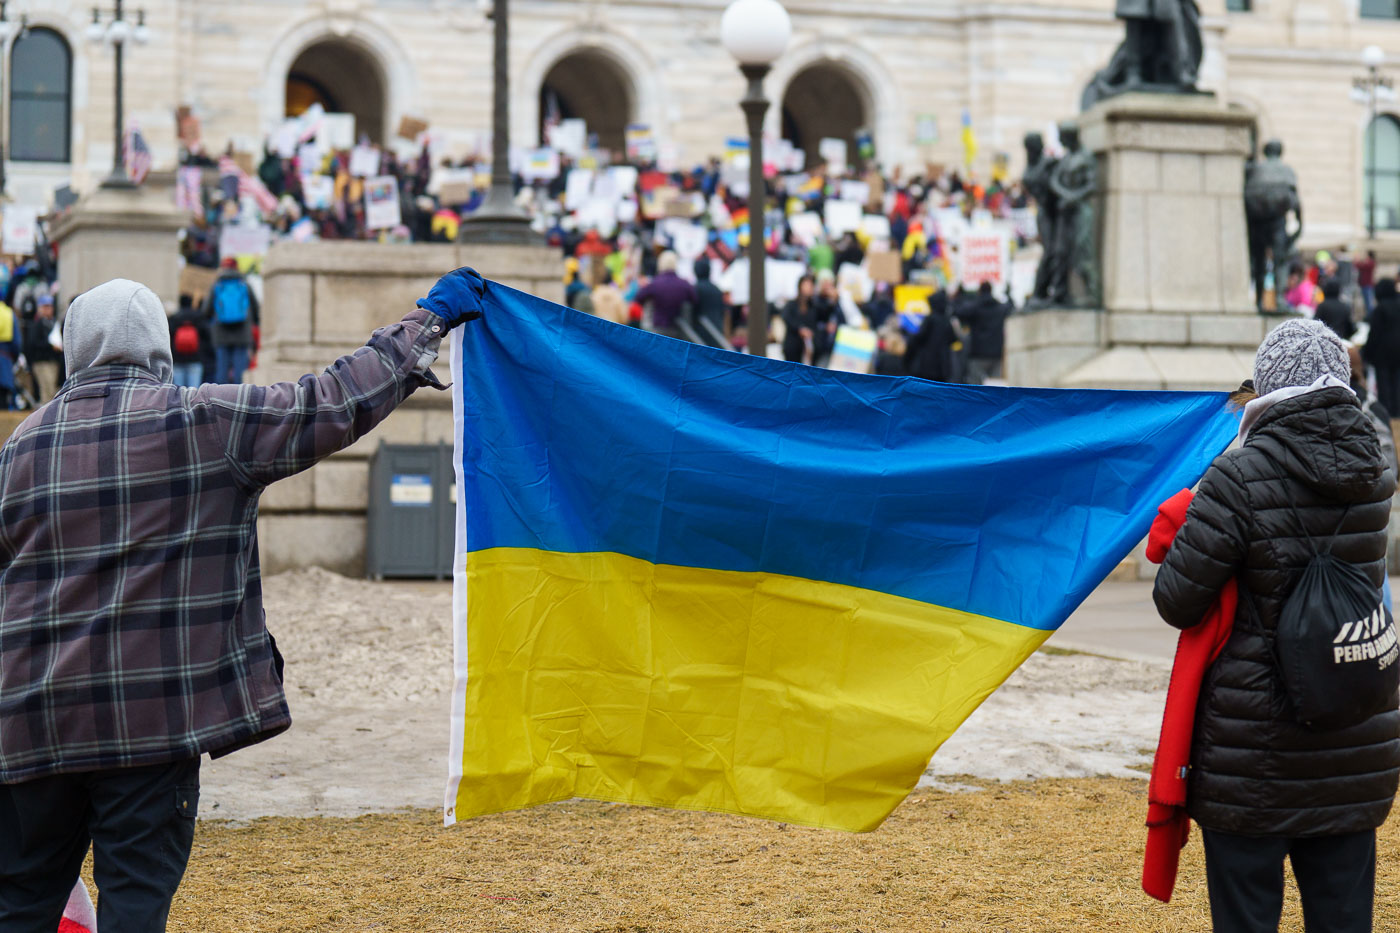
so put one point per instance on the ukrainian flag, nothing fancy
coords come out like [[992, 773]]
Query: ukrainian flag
[[692, 578]]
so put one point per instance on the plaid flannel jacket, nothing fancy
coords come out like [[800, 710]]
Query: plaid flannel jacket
[[131, 622]]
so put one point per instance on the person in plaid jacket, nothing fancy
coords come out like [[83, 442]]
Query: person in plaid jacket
[[132, 635]]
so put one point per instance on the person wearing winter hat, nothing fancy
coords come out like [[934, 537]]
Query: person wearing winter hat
[[132, 635], [1262, 785]]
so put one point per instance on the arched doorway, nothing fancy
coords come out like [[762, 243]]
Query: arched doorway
[[825, 100], [589, 85], [343, 78]]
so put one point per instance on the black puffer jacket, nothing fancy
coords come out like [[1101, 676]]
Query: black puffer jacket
[[1255, 770]]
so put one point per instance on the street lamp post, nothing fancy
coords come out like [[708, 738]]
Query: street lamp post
[[756, 32], [499, 219], [1373, 56], [117, 33], [8, 31]]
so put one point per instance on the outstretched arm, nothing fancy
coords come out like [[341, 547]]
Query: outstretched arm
[[272, 432]]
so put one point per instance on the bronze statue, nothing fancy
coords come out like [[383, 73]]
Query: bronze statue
[[1270, 195], [1037, 184], [1161, 51], [1074, 183]]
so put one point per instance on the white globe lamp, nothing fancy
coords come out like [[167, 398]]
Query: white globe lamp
[[1373, 56], [755, 32]]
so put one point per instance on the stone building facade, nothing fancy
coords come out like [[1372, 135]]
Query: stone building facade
[[904, 70]]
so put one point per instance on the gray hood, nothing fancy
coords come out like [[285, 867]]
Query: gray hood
[[119, 323]]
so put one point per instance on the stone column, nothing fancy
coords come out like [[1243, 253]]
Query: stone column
[[322, 300], [129, 233]]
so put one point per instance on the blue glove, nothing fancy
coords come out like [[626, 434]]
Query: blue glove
[[456, 298]]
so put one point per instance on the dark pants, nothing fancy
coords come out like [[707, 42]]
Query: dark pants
[[140, 823], [1388, 388], [230, 364], [1336, 881]]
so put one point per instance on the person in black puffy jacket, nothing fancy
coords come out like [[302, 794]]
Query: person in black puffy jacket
[[1262, 786], [1382, 350]]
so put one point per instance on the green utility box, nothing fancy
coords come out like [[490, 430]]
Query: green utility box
[[412, 511]]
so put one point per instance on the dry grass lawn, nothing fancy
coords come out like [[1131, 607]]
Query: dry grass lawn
[[1043, 856]]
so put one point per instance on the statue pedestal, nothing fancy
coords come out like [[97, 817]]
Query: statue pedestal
[[1174, 255], [129, 233]]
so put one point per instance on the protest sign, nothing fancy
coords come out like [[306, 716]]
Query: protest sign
[[245, 240], [668, 157], [984, 257], [926, 129], [689, 240], [885, 266], [20, 230], [337, 131], [852, 190], [382, 202], [285, 138], [626, 211], [364, 161], [317, 191], [833, 153], [806, 228], [309, 156], [656, 201], [640, 143], [196, 281], [950, 224], [453, 193], [623, 178], [244, 160], [780, 280], [855, 281], [843, 216], [875, 226], [410, 127], [540, 165], [905, 295], [689, 204], [600, 214], [854, 351], [569, 137], [577, 188]]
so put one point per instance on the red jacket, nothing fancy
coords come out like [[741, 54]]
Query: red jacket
[[1168, 826]]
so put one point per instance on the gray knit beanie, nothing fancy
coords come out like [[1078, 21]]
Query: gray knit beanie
[[1298, 353]]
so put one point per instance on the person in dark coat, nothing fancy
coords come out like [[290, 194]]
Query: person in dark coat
[[1263, 786], [985, 319], [1334, 312], [45, 362], [709, 299], [1382, 350], [930, 351], [800, 317]]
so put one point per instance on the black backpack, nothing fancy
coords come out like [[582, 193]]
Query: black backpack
[[1336, 642]]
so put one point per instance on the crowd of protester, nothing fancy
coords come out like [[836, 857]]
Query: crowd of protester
[[613, 265]]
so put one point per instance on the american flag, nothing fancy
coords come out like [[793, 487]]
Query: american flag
[[248, 184], [136, 156], [187, 189]]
